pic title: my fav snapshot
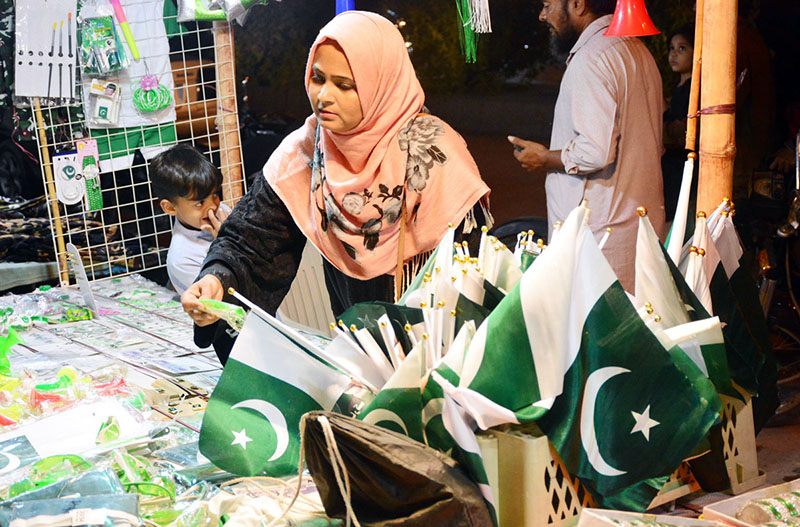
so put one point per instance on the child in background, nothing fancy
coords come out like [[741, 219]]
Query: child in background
[[681, 53], [189, 187]]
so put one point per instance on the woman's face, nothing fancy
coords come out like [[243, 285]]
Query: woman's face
[[680, 54], [332, 90]]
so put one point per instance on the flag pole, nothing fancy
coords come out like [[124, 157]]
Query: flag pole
[[694, 90], [678, 230], [718, 103]]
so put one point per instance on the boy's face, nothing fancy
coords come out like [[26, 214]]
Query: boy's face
[[191, 212]]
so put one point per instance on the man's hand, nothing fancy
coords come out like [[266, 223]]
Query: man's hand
[[208, 287], [535, 157], [216, 217]]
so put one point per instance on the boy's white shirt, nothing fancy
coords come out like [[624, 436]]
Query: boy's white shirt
[[187, 250]]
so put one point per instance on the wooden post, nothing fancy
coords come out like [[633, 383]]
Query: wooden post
[[227, 115], [44, 154], [694, 93], [717, 99]]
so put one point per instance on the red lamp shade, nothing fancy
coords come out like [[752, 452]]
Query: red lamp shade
[[631, 20]]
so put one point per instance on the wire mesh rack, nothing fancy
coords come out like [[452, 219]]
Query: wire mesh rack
[[129, 232]]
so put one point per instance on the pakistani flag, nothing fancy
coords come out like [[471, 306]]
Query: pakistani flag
[[567, 348], [449, 368], [745, 347], [398, 406], [251, 422], [410, 403], [735, 299], [672, 300]]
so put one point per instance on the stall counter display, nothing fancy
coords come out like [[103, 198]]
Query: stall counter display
[[775, 506]]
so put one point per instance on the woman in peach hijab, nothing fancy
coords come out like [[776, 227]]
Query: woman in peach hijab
[[370, 179]]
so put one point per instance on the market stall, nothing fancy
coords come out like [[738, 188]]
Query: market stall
[[475, 399]]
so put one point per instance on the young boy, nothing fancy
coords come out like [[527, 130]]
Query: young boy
[[189, 186]]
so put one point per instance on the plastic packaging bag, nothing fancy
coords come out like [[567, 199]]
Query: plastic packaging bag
[[103, 510]]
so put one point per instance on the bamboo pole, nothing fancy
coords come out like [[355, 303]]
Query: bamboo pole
[[227, 115], [694, 92], [44, 153], [718, 99]]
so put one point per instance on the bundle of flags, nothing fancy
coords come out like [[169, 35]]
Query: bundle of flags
[[625, 387]]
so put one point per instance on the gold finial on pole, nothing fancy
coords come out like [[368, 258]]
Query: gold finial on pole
[[701, 214], [641, 211]]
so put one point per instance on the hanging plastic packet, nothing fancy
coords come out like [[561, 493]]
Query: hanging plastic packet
[[88, 162], [101, 50], [230, 313], [105, 99], [198, 10], [234, 9], [69, 185]]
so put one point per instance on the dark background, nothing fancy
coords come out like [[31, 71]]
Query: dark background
[[511, 89]]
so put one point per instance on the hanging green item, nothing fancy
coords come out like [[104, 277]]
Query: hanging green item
[[466, 35]]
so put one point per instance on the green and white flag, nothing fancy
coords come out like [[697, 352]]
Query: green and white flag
[[251, 423], [398, 406], [410, 404], [568, 349], [530, 339], [660, 285], [736, 303], [708, 277]]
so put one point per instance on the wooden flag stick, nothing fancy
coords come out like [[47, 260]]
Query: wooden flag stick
[[52, 197], [694, 92]]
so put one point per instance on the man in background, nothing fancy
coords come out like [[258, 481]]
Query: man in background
[[606, 143]]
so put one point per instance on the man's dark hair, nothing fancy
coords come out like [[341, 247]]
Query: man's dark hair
[[183, 172], [601, 7]]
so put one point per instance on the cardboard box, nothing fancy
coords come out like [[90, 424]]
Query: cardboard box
[[605, 518], [725, 510]]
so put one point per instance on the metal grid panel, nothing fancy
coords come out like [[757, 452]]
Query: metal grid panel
[[131, 233]]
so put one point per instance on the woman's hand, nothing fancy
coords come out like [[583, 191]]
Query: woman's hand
[[208, 287]]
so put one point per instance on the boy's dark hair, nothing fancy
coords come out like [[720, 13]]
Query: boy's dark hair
[[183, 172]]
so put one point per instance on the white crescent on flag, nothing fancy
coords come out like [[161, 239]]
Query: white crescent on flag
[[275, 419], [13, 463], [594, 382], [381, 414]]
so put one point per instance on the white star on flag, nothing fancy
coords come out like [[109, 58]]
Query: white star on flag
[[644, 423], [241, 438]]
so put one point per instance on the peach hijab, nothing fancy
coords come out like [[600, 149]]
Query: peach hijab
[[346, 190]]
